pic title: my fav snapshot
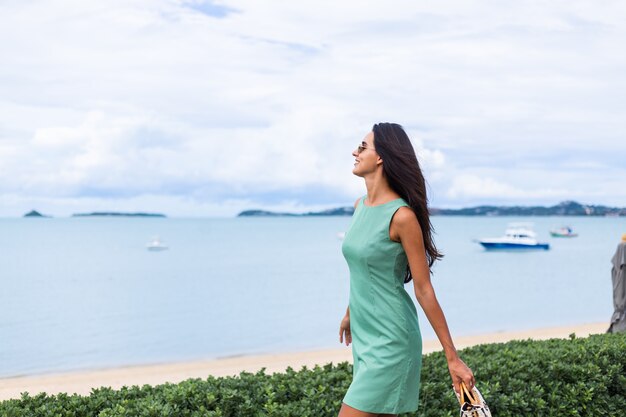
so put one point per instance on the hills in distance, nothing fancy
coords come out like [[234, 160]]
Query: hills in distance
[[341, 211], [565, 208], [35, 213], [117, 214]]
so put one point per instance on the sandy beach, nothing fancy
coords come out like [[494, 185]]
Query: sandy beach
[[82, 382]]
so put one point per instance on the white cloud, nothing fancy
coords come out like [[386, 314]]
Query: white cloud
[[471, 186], [434, 159], [120, 99], [513, 186]]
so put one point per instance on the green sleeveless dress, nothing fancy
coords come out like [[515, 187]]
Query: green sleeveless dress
[[386, 340]]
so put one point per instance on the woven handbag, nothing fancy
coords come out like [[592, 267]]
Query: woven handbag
[[472, 403]]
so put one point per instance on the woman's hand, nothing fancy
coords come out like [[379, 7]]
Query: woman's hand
[[344, 330], [459, 371]]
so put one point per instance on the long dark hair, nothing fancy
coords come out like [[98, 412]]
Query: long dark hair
[[405, 177]]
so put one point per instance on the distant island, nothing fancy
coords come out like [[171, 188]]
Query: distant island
[[117, 214], [565, 208], [341, 211], [34, 213]]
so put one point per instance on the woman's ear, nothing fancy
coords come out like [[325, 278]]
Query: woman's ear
[[379, 161]]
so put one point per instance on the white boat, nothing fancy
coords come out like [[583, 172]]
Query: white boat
[[156, 245], [341, 235], [564, 231], [518, 236]]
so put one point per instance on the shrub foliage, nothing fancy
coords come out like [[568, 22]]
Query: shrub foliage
[[574, 377]]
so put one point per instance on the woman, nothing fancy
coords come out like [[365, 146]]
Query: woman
[[389, 243]]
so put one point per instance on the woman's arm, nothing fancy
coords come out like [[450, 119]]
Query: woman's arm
[[406, 229], [344, 328]]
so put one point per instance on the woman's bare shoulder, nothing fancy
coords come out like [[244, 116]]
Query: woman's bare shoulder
[[405, 219], [404, 224], [405, 215]]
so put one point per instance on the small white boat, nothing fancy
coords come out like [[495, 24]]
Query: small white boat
[[564, 231], [518, 236], [341, 235], [156, 245]]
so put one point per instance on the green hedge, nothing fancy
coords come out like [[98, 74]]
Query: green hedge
[[575, 377]]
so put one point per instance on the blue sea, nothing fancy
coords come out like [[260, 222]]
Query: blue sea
[[84, 293]]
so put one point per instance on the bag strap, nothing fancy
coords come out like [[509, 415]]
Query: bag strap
[[465, 392], [461, 396]]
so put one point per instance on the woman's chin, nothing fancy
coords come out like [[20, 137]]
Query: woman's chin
[[356, 172]]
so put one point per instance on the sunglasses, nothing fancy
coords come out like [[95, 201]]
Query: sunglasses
[[361, 148]]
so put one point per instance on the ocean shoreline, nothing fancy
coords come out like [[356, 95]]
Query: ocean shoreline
[[82, 382]]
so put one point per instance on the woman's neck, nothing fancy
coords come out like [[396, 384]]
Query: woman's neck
[[378, 190]]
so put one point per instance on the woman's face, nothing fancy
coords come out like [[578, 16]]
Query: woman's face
[[366, 158]]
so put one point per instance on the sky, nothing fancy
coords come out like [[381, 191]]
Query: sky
[[203, 108]]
